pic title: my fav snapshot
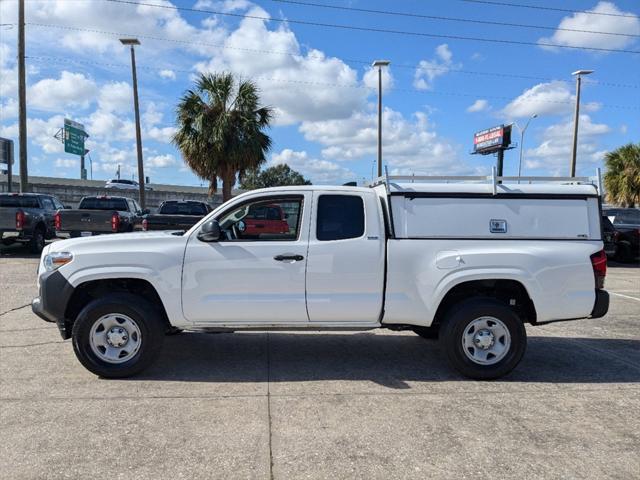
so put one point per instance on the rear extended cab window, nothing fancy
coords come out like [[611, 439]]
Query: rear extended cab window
[[19, 201], [119, 204], [183, 209], [339, 217]]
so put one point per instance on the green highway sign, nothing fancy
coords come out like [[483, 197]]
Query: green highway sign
[[74, 136]]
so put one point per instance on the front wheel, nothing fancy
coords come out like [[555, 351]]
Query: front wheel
[[483, 339], [118, 335]]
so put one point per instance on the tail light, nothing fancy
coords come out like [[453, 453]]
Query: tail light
[[145, 225], [599, 264], [115, 222], [57, 222], [19, 220]]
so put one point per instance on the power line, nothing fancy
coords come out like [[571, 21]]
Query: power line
[[377, 30], [322, 56], [449, 19], [304, 83], [555, 9]]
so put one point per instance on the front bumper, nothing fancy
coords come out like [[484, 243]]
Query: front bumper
[[51, 304]]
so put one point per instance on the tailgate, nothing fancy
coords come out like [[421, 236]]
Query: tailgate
[[85, 221], [8, 218]]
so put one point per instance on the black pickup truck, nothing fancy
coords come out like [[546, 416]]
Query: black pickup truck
[[100, 215], [623, 226], [27, 218], [176, 215]]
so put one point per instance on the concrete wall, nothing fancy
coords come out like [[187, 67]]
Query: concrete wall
[[70, 191]]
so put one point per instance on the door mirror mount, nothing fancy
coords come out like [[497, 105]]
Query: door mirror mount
[[210, 231]]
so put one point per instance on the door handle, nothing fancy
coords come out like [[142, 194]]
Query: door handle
[[283, 258]]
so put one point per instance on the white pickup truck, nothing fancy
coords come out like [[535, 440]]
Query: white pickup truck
[[470, 262]]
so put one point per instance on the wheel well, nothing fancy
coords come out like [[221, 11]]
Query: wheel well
[[511, 292], [88, 291]]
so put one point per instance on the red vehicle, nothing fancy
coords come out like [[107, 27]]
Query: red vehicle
[[265, 219]]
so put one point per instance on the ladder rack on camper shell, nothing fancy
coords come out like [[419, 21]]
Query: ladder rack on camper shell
[[493, 179]]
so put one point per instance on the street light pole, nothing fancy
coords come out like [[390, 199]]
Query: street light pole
[[131, 42], [380, 64], [578, 74], [22, 101], [522, 130]]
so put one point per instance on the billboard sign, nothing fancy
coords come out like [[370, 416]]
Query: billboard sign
[[74, 136], [6, 151], [492, 139]]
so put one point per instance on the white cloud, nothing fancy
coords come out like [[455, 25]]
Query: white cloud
[[70, 90], [621, 25], [41, 133], [116, 97], [317, 170], [161, 161], [302, 86], [429, 70], [408, 145], [67, 163], [479, 105], [552, 98], [370, 79], [167, 74], [107, 125], [554, 151]]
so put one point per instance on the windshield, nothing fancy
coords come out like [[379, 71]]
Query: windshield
[[183, 209], [630, 216], [103, 204], [19, 201]]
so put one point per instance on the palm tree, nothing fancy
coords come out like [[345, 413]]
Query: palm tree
[[622, 179], [221, 130]]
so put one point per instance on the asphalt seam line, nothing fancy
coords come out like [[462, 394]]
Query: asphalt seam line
[[14, 309], [625, 296]]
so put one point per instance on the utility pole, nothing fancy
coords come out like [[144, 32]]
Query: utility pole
[[22, 101], [131, 42], [578, 74], [522, 132], [380, 64]]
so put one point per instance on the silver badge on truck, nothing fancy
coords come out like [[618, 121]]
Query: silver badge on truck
[[497, 226]]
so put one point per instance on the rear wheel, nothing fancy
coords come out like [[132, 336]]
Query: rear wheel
[[37, 240], [118, 335], [483, 338]]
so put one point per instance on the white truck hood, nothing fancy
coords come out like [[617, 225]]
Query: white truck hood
[[104, 242]]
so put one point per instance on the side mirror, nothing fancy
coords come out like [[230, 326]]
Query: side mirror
[[209, 232], [146, 211]]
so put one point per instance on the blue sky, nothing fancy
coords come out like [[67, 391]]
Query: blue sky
[[438, 91]]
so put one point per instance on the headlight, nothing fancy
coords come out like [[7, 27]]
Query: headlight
[[53, 261]]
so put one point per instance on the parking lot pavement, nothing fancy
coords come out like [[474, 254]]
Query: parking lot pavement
[[321, 405]]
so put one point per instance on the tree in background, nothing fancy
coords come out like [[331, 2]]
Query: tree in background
[[221, 130], [278, 176], [622, 178]]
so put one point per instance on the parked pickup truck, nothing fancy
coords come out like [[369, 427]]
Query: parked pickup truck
[[623, 225], [99, 215], [468, 262], [176, 215], [27, 218]]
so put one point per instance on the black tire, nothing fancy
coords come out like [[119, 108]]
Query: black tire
[[457, 324], [430, 333], [623, 253], [145, 316], [36, 244]]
